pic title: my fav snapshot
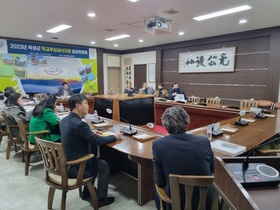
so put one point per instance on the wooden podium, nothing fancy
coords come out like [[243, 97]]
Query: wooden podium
[[239, 198], [137, 110]]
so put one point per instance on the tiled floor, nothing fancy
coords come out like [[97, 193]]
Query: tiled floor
[[30, 192]]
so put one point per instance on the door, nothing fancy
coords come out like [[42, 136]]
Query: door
[[140, 75], [114, 80]]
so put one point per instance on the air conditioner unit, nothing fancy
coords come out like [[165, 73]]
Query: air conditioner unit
[[157, 25]]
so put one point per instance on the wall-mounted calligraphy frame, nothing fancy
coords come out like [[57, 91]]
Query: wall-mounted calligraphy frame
[[216, 60]]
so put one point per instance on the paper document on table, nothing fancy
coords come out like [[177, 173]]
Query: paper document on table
[[249, 119], [270, 115], [144, 136], [107, 133], [227, 147], [103, 125]]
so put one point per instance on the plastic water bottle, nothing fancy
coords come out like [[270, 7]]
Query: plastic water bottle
[[61, 107], [209, 132], [95, 115]]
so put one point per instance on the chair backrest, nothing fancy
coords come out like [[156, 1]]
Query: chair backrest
[[190, 182], [9, 128], [265, 104], [54, 160], [213, 101], [88, 93], [22, 131], [245, 104], [40, 96], [276, 105], [194, 99]]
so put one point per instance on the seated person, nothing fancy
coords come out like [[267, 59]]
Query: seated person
[[146, 90], [7, 92], [2, 107], [14, 107], [187, 160], [176, 90], [79, 140], [129, 88], [44, 118], [65, 90], [160, 92]]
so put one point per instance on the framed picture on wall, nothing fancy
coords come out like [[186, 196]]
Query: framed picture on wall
[[151, 72]]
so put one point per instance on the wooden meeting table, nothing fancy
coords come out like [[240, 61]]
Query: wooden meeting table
[[141, 152]]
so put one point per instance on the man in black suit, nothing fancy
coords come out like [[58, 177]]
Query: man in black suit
[[176, 90], [179, 152], [65, 90], [79, 140]]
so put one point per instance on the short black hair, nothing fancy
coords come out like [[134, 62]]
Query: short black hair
[[174, 83], [76, 99], [64, 83]]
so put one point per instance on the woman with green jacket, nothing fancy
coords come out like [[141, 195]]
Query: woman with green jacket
[[44, 118]]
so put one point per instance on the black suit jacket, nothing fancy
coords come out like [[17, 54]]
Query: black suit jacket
[[183, 154], [78, 141]]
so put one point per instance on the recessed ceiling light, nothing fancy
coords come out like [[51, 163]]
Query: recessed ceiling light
[[132, 0], [140, 40], [117, 37], [116, 45], [181, 33], [58, 28], [242, 21], [92, 42], [223, 12], [39, 35], [91, 14]]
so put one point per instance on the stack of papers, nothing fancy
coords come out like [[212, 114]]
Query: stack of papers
[[227, 147], [103, 125], [144, 136]]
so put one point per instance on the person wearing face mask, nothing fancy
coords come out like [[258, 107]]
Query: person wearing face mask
[[160, 92], [176, 90]]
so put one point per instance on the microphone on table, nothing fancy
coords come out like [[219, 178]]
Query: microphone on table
[[240, 121], [245, 164], [259, 113], [127, 131]]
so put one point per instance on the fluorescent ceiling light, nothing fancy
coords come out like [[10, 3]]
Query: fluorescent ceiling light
[[59, 28], [181, 33], [223, 12], [91, 14], [39, 35], [117, 37], [116, 45], [93, 42], [132, 0], [242, 21], [140, 40]]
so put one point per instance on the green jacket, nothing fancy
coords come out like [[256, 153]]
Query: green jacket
[[48, 121]]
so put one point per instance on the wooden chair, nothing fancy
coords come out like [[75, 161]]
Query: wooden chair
[[88, 93], [3, 132], [246, 104], [27, 148], [203, 182], [40, 96], [213, 101], [56, 173], [194, 99], [265, 104], [276, 105], [12, 140]]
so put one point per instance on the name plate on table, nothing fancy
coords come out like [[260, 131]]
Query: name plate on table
[[103, 125], [144, 137], [227, 147]]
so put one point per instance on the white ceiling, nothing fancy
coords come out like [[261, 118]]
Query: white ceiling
[[25, 19]]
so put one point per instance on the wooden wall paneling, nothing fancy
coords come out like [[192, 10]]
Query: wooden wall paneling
[[100, 75], [254, 65]]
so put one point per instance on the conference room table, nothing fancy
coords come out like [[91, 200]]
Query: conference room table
[[200, 115], [141, 152]]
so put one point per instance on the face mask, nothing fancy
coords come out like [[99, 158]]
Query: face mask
[[160, 88], [175, 89]]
